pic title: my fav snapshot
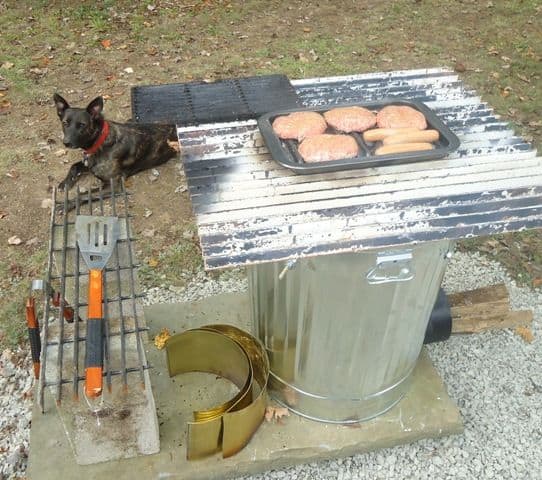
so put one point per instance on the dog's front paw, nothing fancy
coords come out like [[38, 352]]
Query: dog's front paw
[[66, 184], [63, 209]]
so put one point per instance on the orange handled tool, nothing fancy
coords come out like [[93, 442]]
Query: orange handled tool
[[94, 345], [96, 237], [68, 311], [33, 334]]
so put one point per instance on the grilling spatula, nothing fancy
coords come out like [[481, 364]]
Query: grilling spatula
[[96, 237]]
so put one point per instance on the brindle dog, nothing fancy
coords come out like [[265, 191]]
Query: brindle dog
[[112, 150]]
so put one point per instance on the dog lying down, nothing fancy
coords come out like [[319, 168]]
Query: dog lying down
[[112, 150]]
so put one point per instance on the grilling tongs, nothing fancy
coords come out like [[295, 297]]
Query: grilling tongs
[[96, 237]]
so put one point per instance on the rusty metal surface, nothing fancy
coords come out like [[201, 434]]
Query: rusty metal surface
[[249, 209]]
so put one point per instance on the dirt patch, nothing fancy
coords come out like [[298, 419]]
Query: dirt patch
[[104, 48]]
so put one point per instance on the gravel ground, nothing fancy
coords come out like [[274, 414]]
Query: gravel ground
[[495, 378]]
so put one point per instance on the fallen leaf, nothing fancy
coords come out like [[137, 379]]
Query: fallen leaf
[[147, 213], [13, 174], [523, 78], [7, 65], [151, 8], [505, 92], [302, 58], [42, 61], [16, 270], [460, 67], [39, 72], [32, 241], [5, 107], [307, 29], [149, 232], [181, 189], [129, 70], [152, 262], [106, 43], [526, 333], [269, 414], [14, 240], [47, 203], [275, 413], [161, 339], [3, 214], [60, 153], [493, 51]]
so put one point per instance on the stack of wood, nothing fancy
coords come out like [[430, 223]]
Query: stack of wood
[[488, 308]]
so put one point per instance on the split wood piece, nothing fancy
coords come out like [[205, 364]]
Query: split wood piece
[[486, 308]]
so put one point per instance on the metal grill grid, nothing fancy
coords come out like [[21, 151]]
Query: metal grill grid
[[59, 367], [249, 209], [200, 102]]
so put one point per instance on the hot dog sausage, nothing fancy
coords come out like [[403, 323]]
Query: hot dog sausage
[[402, 148], [376, 134], [412, 137]]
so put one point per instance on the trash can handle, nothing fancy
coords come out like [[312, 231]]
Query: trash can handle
[[391, 266]]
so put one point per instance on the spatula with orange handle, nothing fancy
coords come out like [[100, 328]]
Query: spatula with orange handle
[[96, 238]]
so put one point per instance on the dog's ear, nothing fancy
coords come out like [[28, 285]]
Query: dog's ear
[[95, 107], [60, 104]]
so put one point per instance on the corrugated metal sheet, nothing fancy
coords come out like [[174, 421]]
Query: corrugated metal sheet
[[249, 209]]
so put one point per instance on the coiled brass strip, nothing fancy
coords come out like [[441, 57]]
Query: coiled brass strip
[[230, 352], [241, 423]]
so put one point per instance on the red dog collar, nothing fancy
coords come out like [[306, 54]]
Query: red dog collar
[[100, 140]]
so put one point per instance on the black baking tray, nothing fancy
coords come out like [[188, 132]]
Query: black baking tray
[[194, 103], [286, 152]]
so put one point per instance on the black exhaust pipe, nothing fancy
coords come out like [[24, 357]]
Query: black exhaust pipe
[[439, 327]]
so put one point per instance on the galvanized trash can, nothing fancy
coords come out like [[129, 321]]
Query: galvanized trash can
[[343, 332]]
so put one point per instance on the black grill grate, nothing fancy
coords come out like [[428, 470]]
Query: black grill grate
[[195, 103]]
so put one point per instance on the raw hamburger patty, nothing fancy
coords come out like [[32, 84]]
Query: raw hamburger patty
[[350, 119], [299, 125], [326, 147], [400, 116]]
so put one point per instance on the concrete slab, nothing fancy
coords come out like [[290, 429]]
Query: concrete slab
[[117, 425], [426, 411]]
